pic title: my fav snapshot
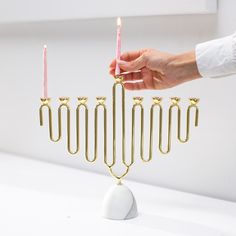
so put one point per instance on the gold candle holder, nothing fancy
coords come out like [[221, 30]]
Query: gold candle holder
[[136, 107]]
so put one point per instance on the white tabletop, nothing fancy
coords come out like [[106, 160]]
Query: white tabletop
[[38, 198]]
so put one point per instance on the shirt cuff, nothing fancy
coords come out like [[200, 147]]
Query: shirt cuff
[[217, 58]]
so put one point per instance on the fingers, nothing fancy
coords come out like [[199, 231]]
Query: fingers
[[131, 76], [112, 69], [135, 86], [147, 77], [132, 55], [136, 64], [127, 56], [138, 81]]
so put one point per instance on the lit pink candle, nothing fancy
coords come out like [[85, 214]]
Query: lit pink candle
[[45, 73], [118, 45]]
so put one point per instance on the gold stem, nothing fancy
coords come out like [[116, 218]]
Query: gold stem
[[95, 133], [141, 133], [127, 165], [50, 122], [186, 138], [169, 130]]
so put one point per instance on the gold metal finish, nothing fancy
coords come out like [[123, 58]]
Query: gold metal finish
[[46, 104], [82, 100], [118, 82], [64, 100], [101, 100], [138, 103], [175, 101], [45, 100], [138, 108], [64, 104], [101, 103], [193, 105], [157, 100]]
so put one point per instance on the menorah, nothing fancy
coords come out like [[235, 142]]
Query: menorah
[[111, 209]]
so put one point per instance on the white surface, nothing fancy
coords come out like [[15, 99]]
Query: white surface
[[119, 203], [33, 10], [38, 199], [79, 53]]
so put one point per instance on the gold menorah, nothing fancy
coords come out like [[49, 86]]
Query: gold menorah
[[101, 105]]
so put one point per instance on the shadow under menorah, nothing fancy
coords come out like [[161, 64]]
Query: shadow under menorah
[[126, 161]]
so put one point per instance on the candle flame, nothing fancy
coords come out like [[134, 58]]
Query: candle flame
[[45, 46], [118, 22]]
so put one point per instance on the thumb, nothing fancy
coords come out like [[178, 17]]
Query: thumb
[[136, 64]]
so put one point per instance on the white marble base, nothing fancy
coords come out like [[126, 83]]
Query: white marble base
[[119, 203]]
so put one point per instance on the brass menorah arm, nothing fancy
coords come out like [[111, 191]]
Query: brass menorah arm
[[46, 104], [101, 103], [193, 105], [138, 104]]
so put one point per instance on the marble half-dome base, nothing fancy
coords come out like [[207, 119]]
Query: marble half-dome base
[[119, 203]]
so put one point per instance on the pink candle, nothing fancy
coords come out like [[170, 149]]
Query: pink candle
[[45, 73], [118, 45]]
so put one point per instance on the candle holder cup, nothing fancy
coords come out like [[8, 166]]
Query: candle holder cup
[[127, 207]]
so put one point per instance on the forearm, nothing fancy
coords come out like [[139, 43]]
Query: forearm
[[214, 58], [184, 66]]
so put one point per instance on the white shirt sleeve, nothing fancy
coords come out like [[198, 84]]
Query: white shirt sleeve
[[217, 58]]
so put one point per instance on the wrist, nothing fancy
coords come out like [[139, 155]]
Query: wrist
[[184, 66]]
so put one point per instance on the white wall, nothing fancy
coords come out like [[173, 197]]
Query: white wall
[[79, 55]]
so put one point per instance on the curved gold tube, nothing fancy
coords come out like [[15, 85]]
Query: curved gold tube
[[133, 130], [174, 104], [118, 82], [64, 104], [193, 105], [119, 177], [45, 103], [138, 103], [101, 101]]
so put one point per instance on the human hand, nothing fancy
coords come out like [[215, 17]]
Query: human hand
[[157, 70]]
